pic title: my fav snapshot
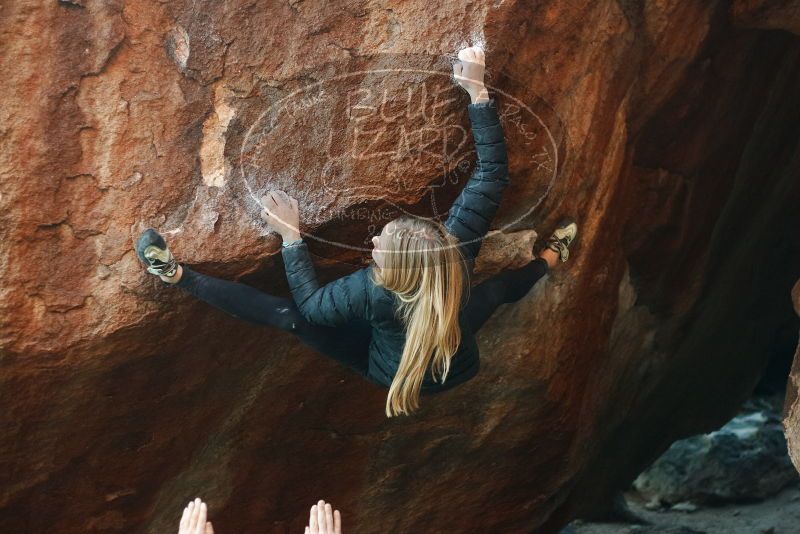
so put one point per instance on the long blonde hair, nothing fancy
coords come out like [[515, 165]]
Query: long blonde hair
[[424, 267]]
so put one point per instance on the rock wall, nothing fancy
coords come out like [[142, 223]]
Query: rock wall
[[670, 130], [791, 411]]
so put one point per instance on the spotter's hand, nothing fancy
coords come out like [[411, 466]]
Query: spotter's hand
[[194, 518], [323, 519], [282, 214]]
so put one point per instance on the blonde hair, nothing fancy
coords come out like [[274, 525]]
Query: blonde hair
[[424, 267]]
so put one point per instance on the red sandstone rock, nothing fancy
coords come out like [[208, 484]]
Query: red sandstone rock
[[670, 131]]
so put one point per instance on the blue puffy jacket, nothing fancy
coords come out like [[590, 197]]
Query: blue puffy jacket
[[356, 297]]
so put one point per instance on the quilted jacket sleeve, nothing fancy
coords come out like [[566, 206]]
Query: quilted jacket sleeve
[[334, 304], [474, 209]]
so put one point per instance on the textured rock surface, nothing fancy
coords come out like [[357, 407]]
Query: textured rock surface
[[791, 410], [674, 130], [745, 460]]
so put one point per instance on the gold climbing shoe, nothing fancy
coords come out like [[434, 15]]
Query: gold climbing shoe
[[561, 238], [153, 252]]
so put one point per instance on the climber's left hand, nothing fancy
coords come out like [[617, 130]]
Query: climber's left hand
[[282, 214]]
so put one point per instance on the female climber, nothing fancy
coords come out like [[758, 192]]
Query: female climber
[[408, 321]]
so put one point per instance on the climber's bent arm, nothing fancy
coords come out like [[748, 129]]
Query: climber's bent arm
[[333, 304]]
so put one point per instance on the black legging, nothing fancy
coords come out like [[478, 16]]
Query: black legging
[[348, 344], [502, 288]]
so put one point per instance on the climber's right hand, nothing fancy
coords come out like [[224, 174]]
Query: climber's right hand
[[468, 72]]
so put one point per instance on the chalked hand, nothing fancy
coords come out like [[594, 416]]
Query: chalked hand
[[468, 72], [282, 214]]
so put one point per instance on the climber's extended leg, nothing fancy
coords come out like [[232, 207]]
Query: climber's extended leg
[[242, 301], [510, 286], [348, 345], [502, 288]]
